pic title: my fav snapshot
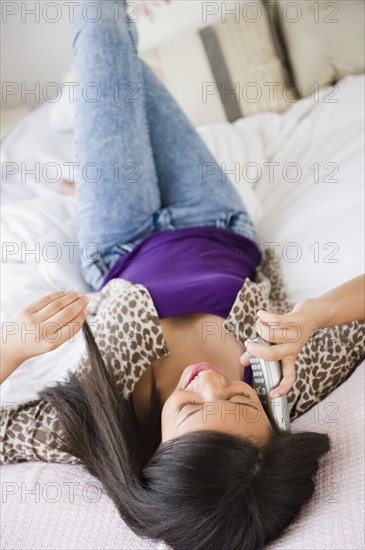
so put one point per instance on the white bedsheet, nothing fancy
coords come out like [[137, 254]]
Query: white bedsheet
[[304, 212]]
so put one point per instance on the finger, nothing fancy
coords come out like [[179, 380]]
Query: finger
[[51, 309], [75, 325], [288, 379], [69, 330], [245, 359], [44, 301], [270, 353], [269, 332], [290, 333], [65, 315], [273, 318]]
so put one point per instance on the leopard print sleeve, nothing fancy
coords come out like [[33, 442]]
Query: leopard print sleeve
[[328, 359], [329, 356], [121, 312], [127, 332], [31, 431]]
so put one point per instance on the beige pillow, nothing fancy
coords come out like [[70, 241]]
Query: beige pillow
[[218, 73], [324, 40], [223, 71]]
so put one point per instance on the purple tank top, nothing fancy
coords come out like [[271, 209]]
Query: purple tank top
[[191, 270]]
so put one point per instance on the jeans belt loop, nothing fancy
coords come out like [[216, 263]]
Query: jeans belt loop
[[101, 265], [163, 219]]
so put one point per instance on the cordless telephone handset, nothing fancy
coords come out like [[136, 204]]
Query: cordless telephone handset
[[266, 375]]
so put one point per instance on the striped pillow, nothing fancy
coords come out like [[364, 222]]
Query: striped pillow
[[225, 71], [218, 73]]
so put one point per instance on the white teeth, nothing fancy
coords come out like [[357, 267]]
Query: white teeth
[[201, 372]]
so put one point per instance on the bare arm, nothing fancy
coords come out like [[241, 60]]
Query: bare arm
[[343, 304], [8, 361], [40, 327]]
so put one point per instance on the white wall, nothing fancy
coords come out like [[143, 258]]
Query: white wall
[[36, 50]]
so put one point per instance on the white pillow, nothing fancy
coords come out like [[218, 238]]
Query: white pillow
[[324, 40]]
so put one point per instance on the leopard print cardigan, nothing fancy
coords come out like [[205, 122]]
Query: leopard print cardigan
[[129, 335]]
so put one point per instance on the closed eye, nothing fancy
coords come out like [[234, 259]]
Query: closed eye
[[251, 405], [185, 403]]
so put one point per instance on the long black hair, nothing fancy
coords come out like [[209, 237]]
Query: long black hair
[[204, 490]]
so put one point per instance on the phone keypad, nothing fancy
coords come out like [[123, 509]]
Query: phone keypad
[[263, 387]]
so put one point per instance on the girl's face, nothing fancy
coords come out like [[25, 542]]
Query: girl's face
[[212, 402]]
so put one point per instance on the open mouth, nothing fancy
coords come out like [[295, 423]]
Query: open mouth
[[198, 369]]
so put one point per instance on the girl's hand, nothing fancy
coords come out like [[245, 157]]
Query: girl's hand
[[44, 325], [289, 332]]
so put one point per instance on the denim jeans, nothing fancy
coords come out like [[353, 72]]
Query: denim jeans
[[141, 165]]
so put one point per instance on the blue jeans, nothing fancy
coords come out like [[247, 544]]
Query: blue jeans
[[141, 165]]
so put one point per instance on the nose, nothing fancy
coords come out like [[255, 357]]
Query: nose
[[210, 385]]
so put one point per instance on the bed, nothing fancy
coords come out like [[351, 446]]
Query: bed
[[314, 223], [62, 506]]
